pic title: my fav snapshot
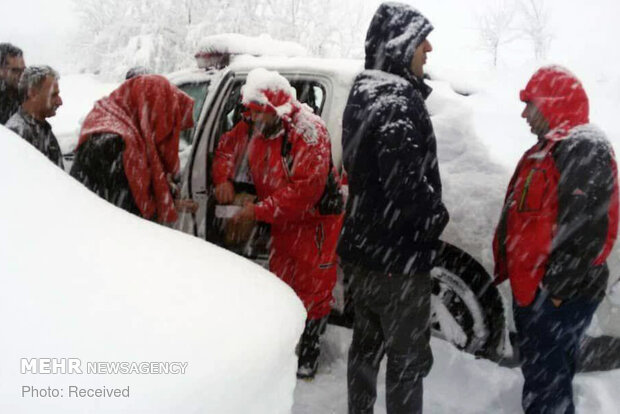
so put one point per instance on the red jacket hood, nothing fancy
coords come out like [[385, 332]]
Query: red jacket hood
[[275, 101], [560, 97], [268, 91]]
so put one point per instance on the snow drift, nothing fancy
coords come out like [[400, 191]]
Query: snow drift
[[83, 279]]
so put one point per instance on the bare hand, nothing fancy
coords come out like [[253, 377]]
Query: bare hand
[[186, 205], [225, 193], [246, 213], [174, 188]]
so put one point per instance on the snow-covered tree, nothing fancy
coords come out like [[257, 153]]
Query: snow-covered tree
[[163, 35], [495, 27], [535, 26], [118, 34]]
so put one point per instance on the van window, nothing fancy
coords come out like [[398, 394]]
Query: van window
[[311, 93], [198, 92]]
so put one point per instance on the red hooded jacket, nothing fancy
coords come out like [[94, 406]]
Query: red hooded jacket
[[288, 190], [560, 217], [149, 113], [303, 243]]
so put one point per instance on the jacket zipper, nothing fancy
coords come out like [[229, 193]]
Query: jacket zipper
[[526, 188]]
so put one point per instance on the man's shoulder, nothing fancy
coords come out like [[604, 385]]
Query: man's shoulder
[[308, 127], [585, 147], [17, 123], [584, 140], [240, 130], [378, 90], [378, 81]]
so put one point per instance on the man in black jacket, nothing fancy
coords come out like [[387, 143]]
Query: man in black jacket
[[11, 68], [394, 213], [38, 87]]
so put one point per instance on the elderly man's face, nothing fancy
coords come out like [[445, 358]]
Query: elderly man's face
[[419, 58], [46, 99], [537, 122], [12, 70]]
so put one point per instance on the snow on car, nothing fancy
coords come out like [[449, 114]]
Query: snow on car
[[467, 309], [88, 290]]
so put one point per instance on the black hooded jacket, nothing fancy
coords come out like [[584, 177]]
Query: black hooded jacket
[[395, 213]]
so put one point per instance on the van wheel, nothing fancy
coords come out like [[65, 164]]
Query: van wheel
[[466, 308]]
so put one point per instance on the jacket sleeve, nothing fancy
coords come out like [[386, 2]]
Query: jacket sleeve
[[227, 153], [307, 180], [500, 271], [585, 190]]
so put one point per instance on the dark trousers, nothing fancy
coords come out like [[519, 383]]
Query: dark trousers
[[548, 339], [392, 316]]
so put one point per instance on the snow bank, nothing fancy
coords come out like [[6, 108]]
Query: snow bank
[[473, 183], [237, 44], [83, 279]]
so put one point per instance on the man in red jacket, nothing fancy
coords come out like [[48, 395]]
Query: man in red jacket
[[289, 163], [558, 225]]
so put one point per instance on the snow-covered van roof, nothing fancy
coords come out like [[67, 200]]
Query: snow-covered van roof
[[216, 51], [337, 69]]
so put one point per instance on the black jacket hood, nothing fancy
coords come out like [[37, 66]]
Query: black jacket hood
[[396, 30]]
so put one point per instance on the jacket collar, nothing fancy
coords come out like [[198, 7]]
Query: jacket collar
[[421, 86], [32, 121]]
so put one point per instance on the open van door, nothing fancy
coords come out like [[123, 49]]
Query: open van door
[[208, 92]]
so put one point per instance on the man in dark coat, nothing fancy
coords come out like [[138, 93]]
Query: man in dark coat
[[39, 88], [557, 228], [394, 213], [11, 68]]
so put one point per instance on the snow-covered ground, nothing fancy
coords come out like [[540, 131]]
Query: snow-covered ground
[[458, 383]]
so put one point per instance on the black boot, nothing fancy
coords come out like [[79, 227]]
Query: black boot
[[309, 348]]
